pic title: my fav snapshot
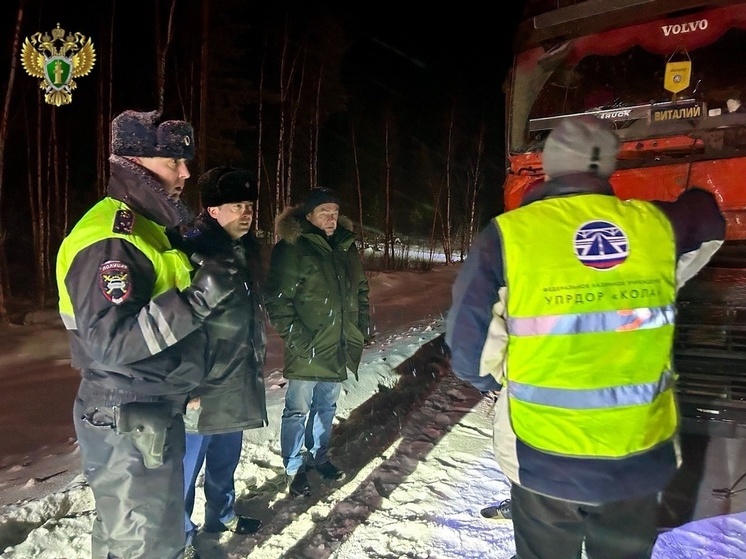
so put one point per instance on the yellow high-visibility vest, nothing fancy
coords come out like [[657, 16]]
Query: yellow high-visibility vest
[[591, 287]]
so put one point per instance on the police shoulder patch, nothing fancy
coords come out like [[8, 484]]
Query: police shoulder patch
[[114, 281]]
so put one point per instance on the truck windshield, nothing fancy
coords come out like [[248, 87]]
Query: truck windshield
[[619, 76]]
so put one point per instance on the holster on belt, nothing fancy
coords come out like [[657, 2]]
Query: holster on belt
[[146, 424]]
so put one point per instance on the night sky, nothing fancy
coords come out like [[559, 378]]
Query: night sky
[[419, 57], [418, 52]]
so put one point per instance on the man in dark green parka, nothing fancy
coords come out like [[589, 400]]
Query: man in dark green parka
[[317, 300]]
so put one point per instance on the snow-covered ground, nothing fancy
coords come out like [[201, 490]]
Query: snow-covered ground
[[415, 441]]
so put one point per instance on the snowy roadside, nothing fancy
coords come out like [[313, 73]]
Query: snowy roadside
[[415, 441], [398, 418]]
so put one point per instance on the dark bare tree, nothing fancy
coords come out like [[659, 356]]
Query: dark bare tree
[[164, 56], [358, 185], [4, 276], [259, 142], [39, 218], [203, 91], [314, 134], [447, 241], [474, 185], [296, 101], [104, 108], [388, 228]]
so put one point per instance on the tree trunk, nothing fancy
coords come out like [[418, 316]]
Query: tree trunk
[[280, 200], [204, 74], [103, 105], [433, 228], [36, 198], [105, 131], [54, 216], [476, 184], [314, 134], [66, 192], [4, 275], [292, 132], [283, 160], [359, 185], [387, 237], [164, 56], [259, 154], [447, 241]]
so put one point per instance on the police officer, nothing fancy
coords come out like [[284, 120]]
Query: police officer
[[135, 323]]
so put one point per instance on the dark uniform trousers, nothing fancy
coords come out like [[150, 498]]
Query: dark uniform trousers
[[547, 528], [139, 511]]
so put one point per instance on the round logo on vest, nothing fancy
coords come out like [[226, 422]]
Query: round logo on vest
[[601, 245]]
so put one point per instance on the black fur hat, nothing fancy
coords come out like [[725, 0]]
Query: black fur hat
[[139, 134], [318, 196], [226, 184]]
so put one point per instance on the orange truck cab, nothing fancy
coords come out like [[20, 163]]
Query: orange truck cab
[[669, 76]]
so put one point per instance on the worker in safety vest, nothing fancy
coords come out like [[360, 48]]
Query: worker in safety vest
[[568, 304]]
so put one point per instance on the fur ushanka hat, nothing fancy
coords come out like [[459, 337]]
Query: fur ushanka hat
[[225, 185], [138, 134]]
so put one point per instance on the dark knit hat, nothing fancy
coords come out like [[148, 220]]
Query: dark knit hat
[[139, 134], [582, 144], [225, 185], [318, 196]]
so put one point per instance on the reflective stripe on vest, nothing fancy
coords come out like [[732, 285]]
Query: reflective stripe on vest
[[171, 266], [590, 304], [629, 395], [609, 321]]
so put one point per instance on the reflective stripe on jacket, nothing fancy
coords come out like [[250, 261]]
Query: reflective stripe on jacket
[[593, 287], [131, 329]]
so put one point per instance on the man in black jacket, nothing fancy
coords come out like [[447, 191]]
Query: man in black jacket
[[232, 396], [135, 319]]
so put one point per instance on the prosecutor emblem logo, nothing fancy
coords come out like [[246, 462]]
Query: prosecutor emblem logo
[[58, 59], [601, 245]]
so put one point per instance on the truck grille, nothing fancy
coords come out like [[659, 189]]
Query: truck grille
[[710, 358]]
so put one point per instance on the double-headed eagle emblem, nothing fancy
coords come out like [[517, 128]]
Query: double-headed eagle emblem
[[57, 59]]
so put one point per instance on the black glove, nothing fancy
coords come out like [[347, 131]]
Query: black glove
[[212, 284]]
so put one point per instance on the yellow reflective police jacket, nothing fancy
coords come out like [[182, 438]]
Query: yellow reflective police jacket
[[172, 268], [591, 291]]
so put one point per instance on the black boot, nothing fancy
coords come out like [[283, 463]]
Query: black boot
[[501, 511], [241, 525], [327, 470], [298, 484]]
